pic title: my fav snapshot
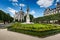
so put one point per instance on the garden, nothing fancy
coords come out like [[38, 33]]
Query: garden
[[39, 30]]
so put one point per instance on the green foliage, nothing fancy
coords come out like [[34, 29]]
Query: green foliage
[[5, 16], [35, 29], [48, 18]]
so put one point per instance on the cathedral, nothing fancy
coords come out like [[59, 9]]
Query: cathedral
[[19, 16], [50, 11]]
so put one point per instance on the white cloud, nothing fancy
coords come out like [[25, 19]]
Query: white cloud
[[45, 3], [35, 16], [32, 12], [57, 0], [15, 4], [11, 10], [22, 5], [14, 0]]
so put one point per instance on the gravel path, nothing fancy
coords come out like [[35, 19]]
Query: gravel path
[[8, 35]]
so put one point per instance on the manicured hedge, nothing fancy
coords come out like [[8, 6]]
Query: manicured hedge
[[40, 30]]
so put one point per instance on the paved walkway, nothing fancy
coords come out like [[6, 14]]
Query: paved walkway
[[8, 35], [2, 25]]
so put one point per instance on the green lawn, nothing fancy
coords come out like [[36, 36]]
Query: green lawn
[[40, 30], [1, 21]]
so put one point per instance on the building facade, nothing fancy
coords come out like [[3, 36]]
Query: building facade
[[50, 11], [19, 16]]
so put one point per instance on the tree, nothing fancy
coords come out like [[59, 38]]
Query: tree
[[5, 16], [48, 18]]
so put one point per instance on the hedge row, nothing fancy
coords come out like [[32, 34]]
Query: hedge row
[[40, 30]]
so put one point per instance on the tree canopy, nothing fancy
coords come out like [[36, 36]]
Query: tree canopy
[[5, 16]]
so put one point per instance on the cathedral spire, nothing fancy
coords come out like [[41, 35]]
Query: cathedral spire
[[27, 8], [21, 8]]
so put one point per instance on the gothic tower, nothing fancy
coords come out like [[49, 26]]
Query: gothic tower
[[21, 15]]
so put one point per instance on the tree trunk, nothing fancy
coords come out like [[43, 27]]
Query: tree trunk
[[4, 21]]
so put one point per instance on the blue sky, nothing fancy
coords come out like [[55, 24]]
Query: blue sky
[[37, 7]]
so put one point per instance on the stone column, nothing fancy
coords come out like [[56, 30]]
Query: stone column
[[14, 18]]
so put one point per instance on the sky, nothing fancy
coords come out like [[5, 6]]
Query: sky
[[37, 7]]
